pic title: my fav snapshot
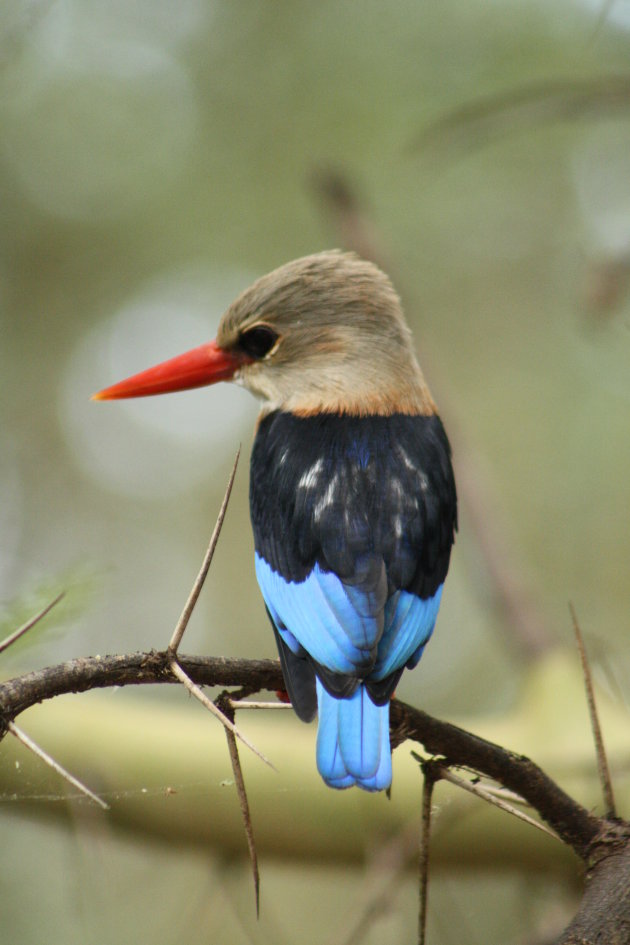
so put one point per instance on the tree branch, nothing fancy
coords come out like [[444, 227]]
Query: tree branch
[[572, 822], [131, 669], [603, 844]]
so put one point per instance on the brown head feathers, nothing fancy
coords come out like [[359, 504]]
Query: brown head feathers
[[326, 333]]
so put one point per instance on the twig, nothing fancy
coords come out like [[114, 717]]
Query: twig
[[131, 669], [34, 747], [602, 762], [182, 623], [6, 643], [434, 770]]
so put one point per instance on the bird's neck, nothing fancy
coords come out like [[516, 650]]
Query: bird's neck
[[360, 398]]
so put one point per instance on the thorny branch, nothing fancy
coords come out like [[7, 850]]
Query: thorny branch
[[595, 840], [573, 823]]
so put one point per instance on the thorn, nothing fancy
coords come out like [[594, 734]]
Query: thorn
[[211, 707], [244, 704], [492, 798], [602, 762], [189, 606], [32, 746], [429, 771], [245, 811], [6, 643]]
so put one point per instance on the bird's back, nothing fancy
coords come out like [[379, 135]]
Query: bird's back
[[330, 488]]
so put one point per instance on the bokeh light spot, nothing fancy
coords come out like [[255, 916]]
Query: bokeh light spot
[[158, 446]]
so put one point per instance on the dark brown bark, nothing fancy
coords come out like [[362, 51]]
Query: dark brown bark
[[604, 914], [133, 669], [572, 822]]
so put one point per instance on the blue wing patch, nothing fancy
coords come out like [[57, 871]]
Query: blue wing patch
[[409, 623], [324, 617], [350, 631]]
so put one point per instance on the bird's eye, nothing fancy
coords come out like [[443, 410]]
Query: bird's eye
[[258, 341]]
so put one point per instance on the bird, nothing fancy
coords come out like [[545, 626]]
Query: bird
[[352, 494]]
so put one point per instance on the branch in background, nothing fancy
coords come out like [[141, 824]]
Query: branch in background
[[348, 215], [482, 121], [476, 124], [604, 13], [383, 881], [513, 592]]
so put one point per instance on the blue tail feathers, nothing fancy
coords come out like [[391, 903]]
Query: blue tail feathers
[[353, 741]]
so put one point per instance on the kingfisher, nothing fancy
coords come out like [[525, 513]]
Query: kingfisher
[[352, 494]]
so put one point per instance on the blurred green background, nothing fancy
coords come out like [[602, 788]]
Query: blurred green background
[[156, 158]]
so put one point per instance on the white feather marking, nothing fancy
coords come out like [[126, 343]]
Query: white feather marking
[[327, 499], [423, 482], [397, 487], [405, 458], [310, 478]]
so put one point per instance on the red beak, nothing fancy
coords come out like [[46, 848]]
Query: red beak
[[204, 365]]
